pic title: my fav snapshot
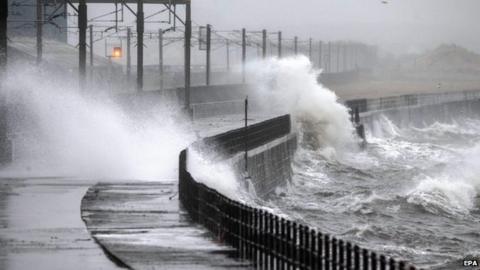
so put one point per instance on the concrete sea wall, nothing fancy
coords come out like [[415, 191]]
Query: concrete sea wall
[[270, 144]]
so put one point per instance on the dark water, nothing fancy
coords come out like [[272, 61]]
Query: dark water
[[412, 194]]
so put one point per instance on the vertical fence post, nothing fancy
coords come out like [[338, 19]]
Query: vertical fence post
[[260, 238], [300, 244], [383, 263], [308, 248], [291, 227], [401, 266], [247, 233], [391, 264], [356, 257], [334, 254], [365, 258], [341, 254], [349, 256], [265, 240], [250, 233], [277, 242], [373, 261], [296, 234], [241, 232], [320, 255], [327, 252], [313, 250], [284, 244], [273, 242], [255, 236]]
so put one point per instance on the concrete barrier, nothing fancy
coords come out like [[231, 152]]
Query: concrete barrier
[[270, 145]]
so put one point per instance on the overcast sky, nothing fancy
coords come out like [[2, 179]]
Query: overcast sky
[[399, 26]]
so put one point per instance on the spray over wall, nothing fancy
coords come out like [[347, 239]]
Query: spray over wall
[[290, 85], [60, 131]]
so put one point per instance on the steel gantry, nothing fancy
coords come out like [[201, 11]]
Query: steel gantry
[[120, 6]]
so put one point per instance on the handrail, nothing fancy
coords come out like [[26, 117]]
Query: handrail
[[267, 240]]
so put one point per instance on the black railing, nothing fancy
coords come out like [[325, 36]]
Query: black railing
[[267, 240]]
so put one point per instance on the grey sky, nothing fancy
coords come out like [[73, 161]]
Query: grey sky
[[399, 26]]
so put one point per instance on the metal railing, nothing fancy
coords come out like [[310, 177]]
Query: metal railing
[[267, 240], [385, 103]]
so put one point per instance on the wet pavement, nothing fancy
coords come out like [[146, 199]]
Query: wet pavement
[[41, 226], [143, 225]]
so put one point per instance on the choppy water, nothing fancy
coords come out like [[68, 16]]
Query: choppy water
[[413, 193]]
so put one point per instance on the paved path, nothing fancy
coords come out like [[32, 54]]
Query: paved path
[[142, 224], [41, 227]]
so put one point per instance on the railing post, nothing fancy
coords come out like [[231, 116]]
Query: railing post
[[373, 261], [242, 231], [250, 232], [277, 242], [313, 250], [301, 243], [294, 246], [308, 248], [271, 237], [291, 231], [255, 236], [383, 263], [320, 256], [264, 245], [327, 252], [246, 233], [401, 266], [349, 256], [283, 243], [334, 254], [341, 254], [365, 259], [356, 257], [392, 264]]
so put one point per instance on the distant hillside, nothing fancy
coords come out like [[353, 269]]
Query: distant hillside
[[449, 58]]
